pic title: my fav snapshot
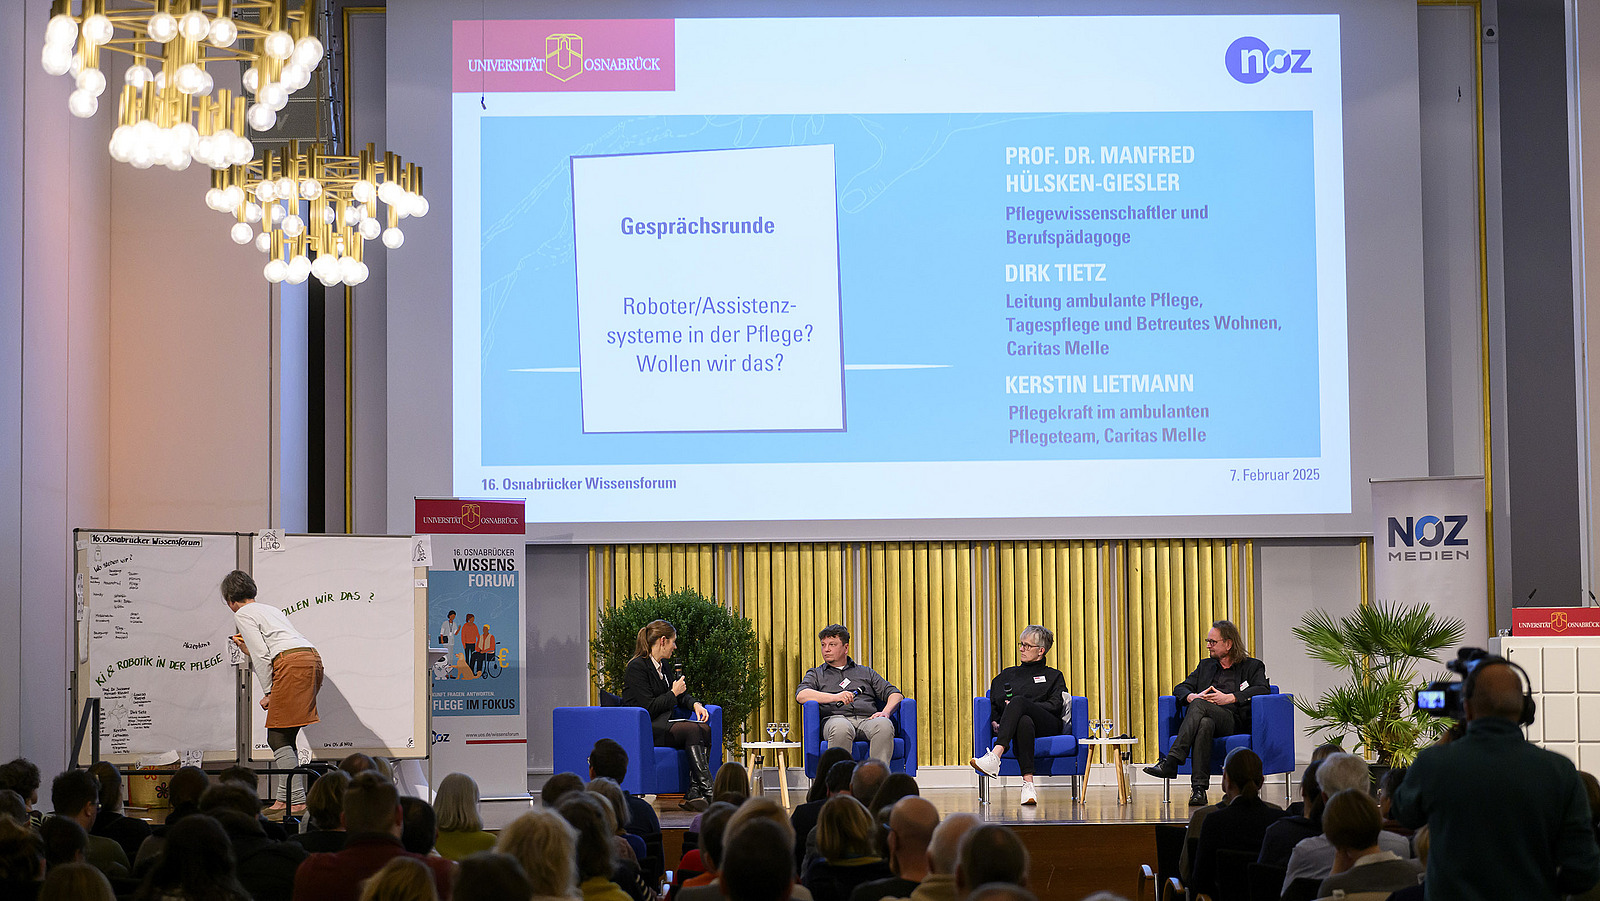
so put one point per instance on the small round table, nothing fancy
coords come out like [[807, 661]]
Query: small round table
[[1113, 746], [780, 759]]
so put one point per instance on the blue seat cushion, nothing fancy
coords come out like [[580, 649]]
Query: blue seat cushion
[[860, 750], [669, 775]]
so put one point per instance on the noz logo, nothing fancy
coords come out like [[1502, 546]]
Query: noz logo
[[1250, 59], [1428, 531], [440, 738]]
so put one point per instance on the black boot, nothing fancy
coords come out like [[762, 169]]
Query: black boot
[[1165, 768], [698, 797]]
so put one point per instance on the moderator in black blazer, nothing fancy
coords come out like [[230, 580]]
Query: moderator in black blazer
[[642, 687], [1252, 681]]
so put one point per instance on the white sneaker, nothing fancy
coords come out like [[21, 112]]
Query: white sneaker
[[1029, 796], [988, 764]]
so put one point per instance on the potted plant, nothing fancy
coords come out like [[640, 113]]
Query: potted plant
[[1380, 647], [720, 653]]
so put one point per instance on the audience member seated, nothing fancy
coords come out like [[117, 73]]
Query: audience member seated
[[845, 857], [461, 829], [419, 829], [991, 854], [625, 870], [895, 786], [1241, 825], [249, 778], [1191, 833], [701, 866], [63, 840], [546, 846], [559, 786], [756, 865], [1351, 822], [491, 876], [21, 861], [1418, 892], [911, 824], [732, 785], [183, 792], [1386, 785], [401, 879], [1312, 858], [866, 779], [1004, 891], [196, 863], [356, 764], [832, 781], [630, 847], [609, 760], [12, 805], [374, 821], [1318, 754], [75, 882], [596, 854], [129, 832], [265, 866], [944, 858], [76, 795], [22, 777], [325, 810], [1283, 835], [753, 809]]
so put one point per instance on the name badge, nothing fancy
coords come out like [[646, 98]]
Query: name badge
[[844, 683], [1243, 685], [1038, 678]]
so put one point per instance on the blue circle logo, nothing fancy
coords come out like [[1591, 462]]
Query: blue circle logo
[[1247, 60]]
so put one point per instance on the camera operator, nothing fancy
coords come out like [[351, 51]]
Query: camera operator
[[1508, 819]]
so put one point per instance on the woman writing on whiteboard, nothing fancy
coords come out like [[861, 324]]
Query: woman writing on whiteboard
[[646, 684], [289, 670]]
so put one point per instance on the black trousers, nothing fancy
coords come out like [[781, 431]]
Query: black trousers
[[1204, 723], [682, 735], [1021, 723]]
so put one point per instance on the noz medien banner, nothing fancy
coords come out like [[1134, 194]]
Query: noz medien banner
[[1430, 545], [475, 612]]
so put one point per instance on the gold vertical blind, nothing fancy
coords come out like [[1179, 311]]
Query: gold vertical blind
[[940, 618]]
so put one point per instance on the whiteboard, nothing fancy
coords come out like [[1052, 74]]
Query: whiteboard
[[358, 600], [152, 636]]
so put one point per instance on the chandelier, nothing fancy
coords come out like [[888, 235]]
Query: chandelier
[[166, 112], [315, 211]]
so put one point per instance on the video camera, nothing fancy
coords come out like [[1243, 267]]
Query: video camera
[[1443, 697]]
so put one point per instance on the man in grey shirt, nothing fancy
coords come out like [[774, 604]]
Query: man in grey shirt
[[854, 700]]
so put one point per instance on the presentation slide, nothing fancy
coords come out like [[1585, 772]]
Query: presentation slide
[[888, 268]]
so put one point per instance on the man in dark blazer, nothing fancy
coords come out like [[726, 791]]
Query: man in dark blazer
[[1218, 695], [1241, 825]]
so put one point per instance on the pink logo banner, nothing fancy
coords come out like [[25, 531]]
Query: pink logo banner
[[563, 55]]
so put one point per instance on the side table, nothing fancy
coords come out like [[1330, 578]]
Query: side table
[[780, 759], [1117, 746]]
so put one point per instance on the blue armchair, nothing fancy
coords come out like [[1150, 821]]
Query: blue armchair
[[651, 770], [904, 718], [1271, 736], [1053, 755]]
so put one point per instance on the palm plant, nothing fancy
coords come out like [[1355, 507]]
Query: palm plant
[[1380, 646]]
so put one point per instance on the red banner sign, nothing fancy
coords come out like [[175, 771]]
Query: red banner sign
[[466, 516], [1550, 622]]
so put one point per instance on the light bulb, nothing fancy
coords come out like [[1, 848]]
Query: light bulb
[[361, 273], [61, 31], [286, 188], [294, 77], [122, 143], [299, 268], [324, 268], [142, 157], [185, 135], [308, 52], [393, 238], [263, 242], [56, 59], [161, 79], [93, 81], [352, 215], [243, 150], [327, 214], [251, 79], [138, 76], [370, 229], [274, 95], [347, 270], [205, 150], [178, 159], [163, 27], [241, 233], [261, 117], [266, 190], [279, 45], [276, 270], [388, 191], [206, 84], [97, 29], [419, 206], [292, 226], [363, 191], [310, 188], [188, 79], [82, 104], [275, 214], [223, 32], [214, 199], [194, 25], [235, 196], [330, 277], [252, 212]]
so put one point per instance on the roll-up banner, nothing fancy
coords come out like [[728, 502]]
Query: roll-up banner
[[474, 551], [1430, 545]]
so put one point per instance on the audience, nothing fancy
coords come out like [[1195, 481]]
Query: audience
[[707, 859], [129, 832], [12, 805], [1281, 837], [819, 784], [1241, 825], [183, 793], [895, 787], [753, 809], [356, 764], [21, 861], [562, 784], [756, 865], [944, 858], [1351, 822], [76, 795], [401, 879], [911, 824], [1386, 785], [374, 821], [196, 864], [64, 841], [630, 847], [609, 760], [75, 882], [804, 818], [461, 829], [22, 777], [991, 854], [492, 876], [596, 854], [546, 846], [1005, 891], [867, 778], [1312, 858], [419, 827], [845, 850], [325, 810], [265, 866]]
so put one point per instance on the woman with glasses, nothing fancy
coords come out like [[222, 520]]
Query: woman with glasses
[[1026, 701]]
